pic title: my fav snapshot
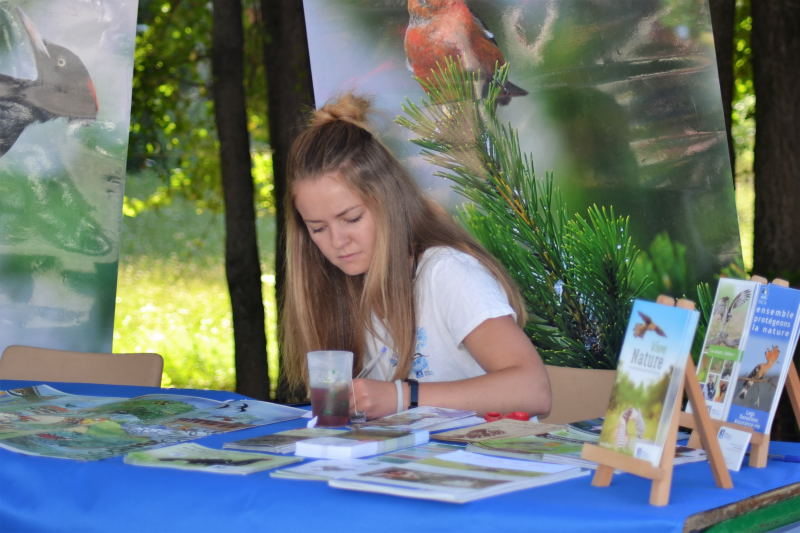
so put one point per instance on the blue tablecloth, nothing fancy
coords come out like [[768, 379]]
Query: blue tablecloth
[[39, 494]]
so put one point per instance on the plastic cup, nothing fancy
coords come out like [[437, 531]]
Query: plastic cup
[[330, 375]]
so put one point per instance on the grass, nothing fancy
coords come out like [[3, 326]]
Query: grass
[[172, 296]]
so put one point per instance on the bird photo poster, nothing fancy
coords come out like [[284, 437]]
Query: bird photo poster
[[619, 101], [65, 92], [649, 374]]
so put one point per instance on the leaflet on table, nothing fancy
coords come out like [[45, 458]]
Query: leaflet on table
[[192, 456], [425, 417], [650, 372], [324, 469], [561, 447], [457, 477], [503, 428], [41, 420]]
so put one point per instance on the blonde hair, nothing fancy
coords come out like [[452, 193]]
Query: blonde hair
[[323, 308]]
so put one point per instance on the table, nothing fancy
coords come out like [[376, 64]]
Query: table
[[40, 494]]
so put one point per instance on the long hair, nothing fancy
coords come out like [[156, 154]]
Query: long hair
[[324, 308]]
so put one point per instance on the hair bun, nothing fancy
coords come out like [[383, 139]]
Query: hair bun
[[348, 107]]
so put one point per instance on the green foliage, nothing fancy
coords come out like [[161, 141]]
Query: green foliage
[[664, 263], [576, 271], [172, 111]]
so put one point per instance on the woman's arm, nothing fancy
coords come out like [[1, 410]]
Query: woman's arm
[[515, 378]]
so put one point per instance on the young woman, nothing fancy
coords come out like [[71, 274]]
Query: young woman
[[377, 268]]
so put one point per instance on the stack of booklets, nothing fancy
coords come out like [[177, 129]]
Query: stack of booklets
[[282, 441], [456, 477], [747, 351], [360, 442], [326, 469], [432, 471]]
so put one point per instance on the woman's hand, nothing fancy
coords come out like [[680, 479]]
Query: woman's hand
[[375, 398]]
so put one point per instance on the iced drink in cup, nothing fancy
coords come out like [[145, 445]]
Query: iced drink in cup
[[330, 375]]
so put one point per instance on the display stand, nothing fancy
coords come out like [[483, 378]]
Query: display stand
[[661, 475], [759, 442]]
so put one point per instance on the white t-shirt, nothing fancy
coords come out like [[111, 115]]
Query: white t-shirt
[[454, 294]]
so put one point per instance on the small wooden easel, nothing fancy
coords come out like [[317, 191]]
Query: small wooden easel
[[608, 460], [759, 442]]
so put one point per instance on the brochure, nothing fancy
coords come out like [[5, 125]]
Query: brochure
[[192, 456], [650, 371], [42, 420], [499, 429], [457, 477], [324, 469], [425, 417], [766, 358]]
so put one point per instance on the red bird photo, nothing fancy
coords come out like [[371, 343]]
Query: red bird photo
[[438, 29]]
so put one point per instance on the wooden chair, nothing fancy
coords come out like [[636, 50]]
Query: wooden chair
[[578, 393], [30, 363]]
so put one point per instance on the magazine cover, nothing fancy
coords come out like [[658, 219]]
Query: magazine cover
[[728, 327], [767, 355], [649, 374], [65, 93]]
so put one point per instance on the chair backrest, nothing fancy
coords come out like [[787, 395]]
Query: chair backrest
[[44, 364], [578, 393]]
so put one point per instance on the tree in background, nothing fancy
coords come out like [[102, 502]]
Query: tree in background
[[242, 264], [723, 19], [173, 135], [776, 78], [289, 94], [775, 48]]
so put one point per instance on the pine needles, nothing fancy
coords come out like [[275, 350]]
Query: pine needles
[[576, 271]]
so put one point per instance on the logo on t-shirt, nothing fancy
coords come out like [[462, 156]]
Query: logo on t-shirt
[[420, 365]]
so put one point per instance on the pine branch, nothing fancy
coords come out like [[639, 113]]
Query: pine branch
[[576, 272]]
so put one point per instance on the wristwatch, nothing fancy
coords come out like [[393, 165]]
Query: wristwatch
[[413, 392]]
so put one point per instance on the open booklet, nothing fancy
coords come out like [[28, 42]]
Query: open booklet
[[42, 420], [456, 477]]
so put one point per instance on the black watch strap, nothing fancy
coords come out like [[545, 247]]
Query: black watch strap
[[413, 393]]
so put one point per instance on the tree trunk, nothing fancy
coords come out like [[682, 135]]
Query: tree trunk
[[290, 96], [776, 78], [242, 266], [723, 18]]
